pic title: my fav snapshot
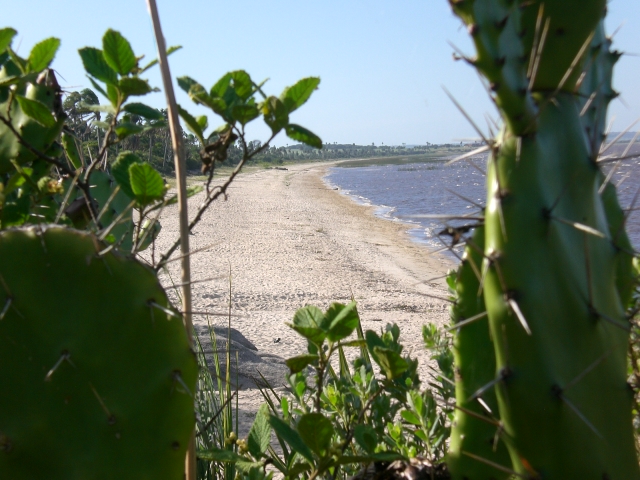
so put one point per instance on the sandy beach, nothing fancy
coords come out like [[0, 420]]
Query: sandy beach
[[288, 240]]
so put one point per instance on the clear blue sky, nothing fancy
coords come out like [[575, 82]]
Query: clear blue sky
[[382, 62]]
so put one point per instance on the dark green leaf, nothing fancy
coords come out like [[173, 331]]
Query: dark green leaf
[[134, 86], [6, 36], [98, 87], [342, 320], [301, 134], [391, 363], [260, 433], [410, 417], [202, 121], [295, 96], [126, 129], [120, 171], [118, 52], [114, 94], [244, 113], [290, 436], [307, 321], [37, 111], [275, 114], [316, 431], [297, 469], [96, 66], [146, 183], [143, 110], [10, 80], [19, 62], [366, 437], [71, 149], [299, 363], [242, 84], [250, 468], [42, 54], [218, 105], [185, 83], [221, 86], [192, 124], [218, 455]]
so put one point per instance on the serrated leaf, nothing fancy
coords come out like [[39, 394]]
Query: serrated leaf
[[118, 53], [244, 113], [143, 110], [391, 363], [6, 37], [343, 319], [299, 363], [146, 183], [295, 96], [316, 431], [291, 437], [307, 321], [275, 114], [36, 110], [301, 134], [42, 54], [131, 86], [192, 124], [96, 66], [260, 433], [120, 171], [242, 84]]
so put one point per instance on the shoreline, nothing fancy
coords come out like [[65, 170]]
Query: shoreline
[[287, 240]]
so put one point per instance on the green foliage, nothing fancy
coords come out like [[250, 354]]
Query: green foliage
[[80, 397]]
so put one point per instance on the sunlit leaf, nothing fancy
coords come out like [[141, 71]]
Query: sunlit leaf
[[134, 86], [42, 54], [37, 111], [295, 96], [242, 84], [143, 110], [291, 437], [96, 66], [275, 114], [146, 183], [260, 433], [120, 171], [299, 363], [244, 113], [343, 319], [316, 431], [192, 124], [6, 36], [118, 53], [307, 321]]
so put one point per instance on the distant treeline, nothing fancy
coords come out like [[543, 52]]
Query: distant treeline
[[154, 145]]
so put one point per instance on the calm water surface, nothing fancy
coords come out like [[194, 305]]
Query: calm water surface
[[404, 192]]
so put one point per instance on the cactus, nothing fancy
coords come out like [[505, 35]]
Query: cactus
[[556, 260], [475, 431], [96, 369]]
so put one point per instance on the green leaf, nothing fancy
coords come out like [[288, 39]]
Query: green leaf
[[218, 455], [221, 86], [146, 183], [98, 87], [242, 84], [354, 343], [126, 129], [96, 66], [143, 110], [170, 50], [275, 114], [71, 149], [6, 36], [260, 433], [130, 86], [42, 54], [307, 321], [295, 96], [10, 80], [185, 83], [410, 417], [118, 53], [391, 363], [316, 431], [342, 320], [120, 171], [37, 111], [299, 363], [366, 437], [192, 124], [301, 134], [113, 94], [244, 113], [290, 436]]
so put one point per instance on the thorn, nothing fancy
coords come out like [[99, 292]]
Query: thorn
[[65, 200], [108, 202], [177, 377], [484, 405], [557, 391], [473, 414], [503, 375], [516, 309], [6, 307], [518, 149], [116, 221], [580, 226], [111, 418], [538, 51], [473, 153], [582, 374], [618, 137], [494, 465], [469, 320], [466, 115], [166, 310], [65, 355], [446, 217]]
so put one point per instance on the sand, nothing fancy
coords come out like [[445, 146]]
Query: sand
[[284, 239]]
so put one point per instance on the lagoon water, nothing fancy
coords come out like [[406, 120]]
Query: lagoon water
[[404, 192]]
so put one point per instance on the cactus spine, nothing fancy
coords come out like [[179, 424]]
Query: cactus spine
[[556, 256]]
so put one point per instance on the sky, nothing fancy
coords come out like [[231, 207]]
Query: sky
[[382, 63]]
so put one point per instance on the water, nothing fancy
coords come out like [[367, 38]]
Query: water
[[404, 192]]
